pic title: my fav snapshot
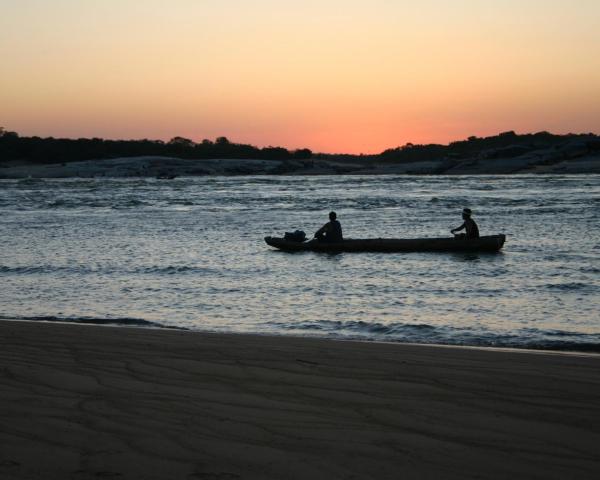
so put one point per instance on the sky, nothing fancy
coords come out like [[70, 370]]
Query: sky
[[334, 76]]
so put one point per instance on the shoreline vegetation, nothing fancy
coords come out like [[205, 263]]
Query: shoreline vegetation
[[506, 153], [84, 402]]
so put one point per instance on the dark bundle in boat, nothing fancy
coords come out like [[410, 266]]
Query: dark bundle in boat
[[490, 243], [297, 236]]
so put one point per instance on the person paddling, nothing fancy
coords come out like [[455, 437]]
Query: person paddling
[[330, 232], [469, 225]]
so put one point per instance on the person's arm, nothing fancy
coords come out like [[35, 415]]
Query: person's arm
[[321, 230], [458, 229]]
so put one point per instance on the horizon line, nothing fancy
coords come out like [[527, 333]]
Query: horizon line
[[506, 132]]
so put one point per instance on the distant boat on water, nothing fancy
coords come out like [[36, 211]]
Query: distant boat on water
[[491, 243]]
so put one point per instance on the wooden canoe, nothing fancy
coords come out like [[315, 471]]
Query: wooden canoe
[[491, 243]]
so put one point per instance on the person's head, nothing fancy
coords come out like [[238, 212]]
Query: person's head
[[466, 213], [332, 216]]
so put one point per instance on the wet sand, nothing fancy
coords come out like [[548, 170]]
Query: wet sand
[[100, 402]]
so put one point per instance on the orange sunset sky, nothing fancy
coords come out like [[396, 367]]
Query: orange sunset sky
[[333, 76]]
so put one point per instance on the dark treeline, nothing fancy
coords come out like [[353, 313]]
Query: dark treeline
[[60, 150], [505, 145]]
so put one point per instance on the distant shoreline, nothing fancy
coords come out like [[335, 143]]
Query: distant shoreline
[[167, 168], [506, 153]]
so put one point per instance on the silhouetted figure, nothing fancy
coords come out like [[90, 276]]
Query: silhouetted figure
[[330, 232], [469, 225]]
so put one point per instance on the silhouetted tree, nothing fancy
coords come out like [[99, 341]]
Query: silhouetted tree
[[275, 153], [303, 154], [8, 134], [185, 142]]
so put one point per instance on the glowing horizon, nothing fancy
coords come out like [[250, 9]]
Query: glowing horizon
[[345, 77]]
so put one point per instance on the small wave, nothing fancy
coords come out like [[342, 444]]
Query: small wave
[[86, 269], [359, 326], [125, 322], [30, 181], [186, 203], [61, 269], [76, 203], [572, 286], [590, 270], [172, 270], [527, 338], [134, 202], [556, 333], [33, 269]]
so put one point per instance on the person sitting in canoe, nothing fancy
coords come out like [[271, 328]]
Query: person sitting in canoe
[[331, 232], [469, 225]]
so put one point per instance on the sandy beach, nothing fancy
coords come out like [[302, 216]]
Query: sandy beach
[[102, 402]]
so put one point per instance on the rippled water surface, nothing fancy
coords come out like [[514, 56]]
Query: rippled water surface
[[190, 253]]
